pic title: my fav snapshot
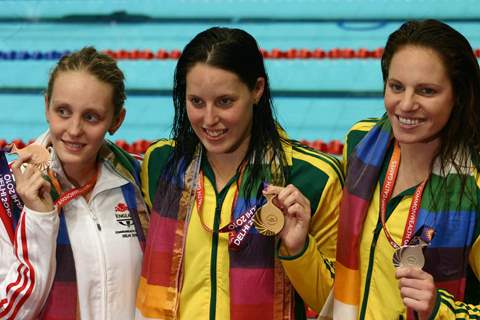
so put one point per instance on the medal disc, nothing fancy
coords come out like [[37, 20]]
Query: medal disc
[[412, 256], [40, 157], [409, 256], [272, 218]]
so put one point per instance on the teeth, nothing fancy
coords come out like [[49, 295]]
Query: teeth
[[408, 121], [73, 145], [214, 133]]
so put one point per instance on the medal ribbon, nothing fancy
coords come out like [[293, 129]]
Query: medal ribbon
[[68, 196], [10, 201], [386, 193], [237, 229]]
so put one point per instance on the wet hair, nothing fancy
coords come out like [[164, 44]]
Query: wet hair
[[236, 51], [100, 65], [462, 131]]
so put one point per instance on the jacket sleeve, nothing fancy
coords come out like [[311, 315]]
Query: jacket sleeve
[[446, 306], [312, 271], [27, 267]]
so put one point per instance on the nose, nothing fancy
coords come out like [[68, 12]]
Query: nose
[[75, 127], [211, 116], [408, 101]]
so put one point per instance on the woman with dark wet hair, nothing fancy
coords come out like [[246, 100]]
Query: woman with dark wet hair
[[214, 250]]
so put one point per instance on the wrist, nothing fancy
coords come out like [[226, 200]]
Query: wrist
[[294, 249], [32, 211], [40, 208], [285, 254]]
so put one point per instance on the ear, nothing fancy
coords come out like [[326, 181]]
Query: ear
[[259, 88], [117, 121]]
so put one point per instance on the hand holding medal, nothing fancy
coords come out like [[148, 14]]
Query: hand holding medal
[[417, 290], [31, 186], [292, 226], [417, 287]]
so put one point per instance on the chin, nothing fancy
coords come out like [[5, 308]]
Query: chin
[[68, 160], [214, 147], [216, 151], [415, 140], [66, 156]]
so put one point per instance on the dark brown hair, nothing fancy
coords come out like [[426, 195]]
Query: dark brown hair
[[462, 129], [236, 51], [460, 138]]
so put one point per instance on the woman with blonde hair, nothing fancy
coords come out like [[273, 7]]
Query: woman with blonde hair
[[75, 249]]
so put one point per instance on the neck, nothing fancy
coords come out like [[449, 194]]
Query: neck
[[415, 164], [224, 167], [79, 176], [419, 155]]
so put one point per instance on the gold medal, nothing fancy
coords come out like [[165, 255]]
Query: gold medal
[[40, 157], [270, 220]]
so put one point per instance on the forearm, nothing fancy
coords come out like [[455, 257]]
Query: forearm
[[27, 282]]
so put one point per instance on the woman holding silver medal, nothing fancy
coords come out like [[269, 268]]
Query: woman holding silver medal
[[214, 250], [408, 228], [63, 255]]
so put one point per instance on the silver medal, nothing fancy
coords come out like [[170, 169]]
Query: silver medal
[[409, 256]]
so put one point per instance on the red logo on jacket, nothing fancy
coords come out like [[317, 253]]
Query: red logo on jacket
[[121, 207]]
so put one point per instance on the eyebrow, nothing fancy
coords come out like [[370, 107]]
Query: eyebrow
[[418, 84]]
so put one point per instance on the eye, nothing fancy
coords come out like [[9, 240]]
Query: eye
[[195, 101], [225, 101], [91, 117], [62, 112], [395, 87], [426, 91]]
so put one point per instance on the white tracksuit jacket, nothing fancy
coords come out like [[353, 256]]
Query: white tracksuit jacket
[[107, 261]]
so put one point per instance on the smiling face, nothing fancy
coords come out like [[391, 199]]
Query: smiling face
[[220, 110], [419, 96], [80, 111]]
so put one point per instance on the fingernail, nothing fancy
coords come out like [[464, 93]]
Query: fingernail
[[265, 185]]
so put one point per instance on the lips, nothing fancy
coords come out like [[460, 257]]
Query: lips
[[215, 134], [73, 146], [409, 121]]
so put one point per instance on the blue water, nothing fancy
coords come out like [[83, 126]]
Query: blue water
[[315, 99]]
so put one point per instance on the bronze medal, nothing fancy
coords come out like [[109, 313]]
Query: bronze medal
[[271, 217], [40, 157]]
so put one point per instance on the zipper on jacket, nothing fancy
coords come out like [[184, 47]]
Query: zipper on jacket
[[102, 263], [219, 200], [95, 219], [213, 262], [373, 246]]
